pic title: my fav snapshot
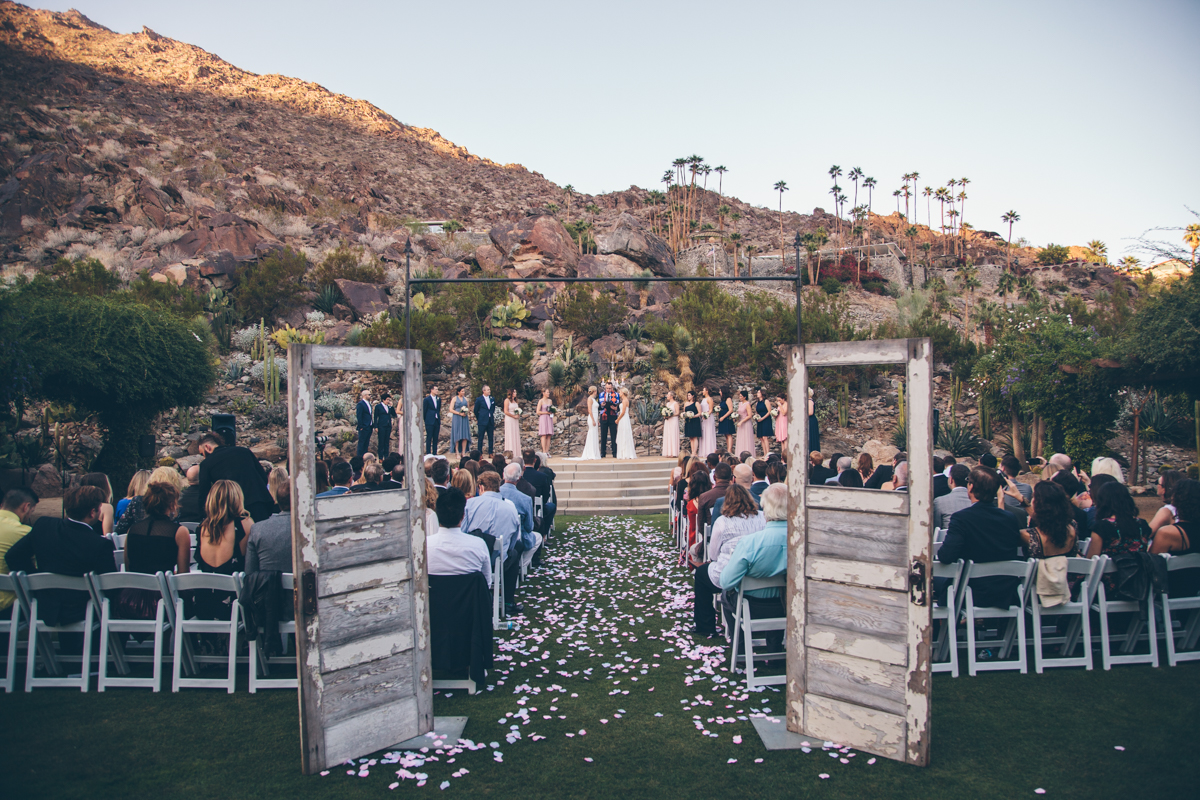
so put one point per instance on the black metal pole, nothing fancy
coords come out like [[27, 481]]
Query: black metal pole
[[407, 294], [799, 294], [752, 279]]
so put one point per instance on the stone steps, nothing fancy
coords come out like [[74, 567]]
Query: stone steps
[[611, 487]]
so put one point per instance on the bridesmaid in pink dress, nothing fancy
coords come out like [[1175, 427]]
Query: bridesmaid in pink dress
[[545, 420], [781, 421], [745, 428], [708, 425], [671, 428]]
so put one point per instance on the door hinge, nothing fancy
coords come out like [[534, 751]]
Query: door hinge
[[308, 588], [916, 583]]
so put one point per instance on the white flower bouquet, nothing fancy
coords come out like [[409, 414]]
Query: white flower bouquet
[[666, 412], [688, 415], [553, 409], [774, 412], [515, 410]]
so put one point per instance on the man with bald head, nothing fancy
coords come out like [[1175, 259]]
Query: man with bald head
[[191, 504]]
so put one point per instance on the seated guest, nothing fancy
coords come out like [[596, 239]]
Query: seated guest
[[849, 477], [840, 463], [439, 471], [396, 478], [945, 506], [698, 486], [372, 479], [1052, 532], [983, 533], [743, 475], [191, 505], [448, 550], [135, 510], [1117, 528], [988, 460], [739, 516], [15, 512], [1010, 467], [322, 476], [531, 540], [540, 483], [899, 481], [341, 476], [947, 463], [104, 525], [1107, 466], [157, 543], [941, 482], [230, 462], [493, 515], [777, 472], [1166, 492], [269, 546], [883, 472], [277, 476], [745, 456], [712, 459], [137, 485], [762, 554], [431, 499], [464, 482], [759, 468], [68, 547], [1081, 500], [357, 463], [818, 473], [427, 464], [866, 467], [552, 505], [724, 477], [1178, 538]]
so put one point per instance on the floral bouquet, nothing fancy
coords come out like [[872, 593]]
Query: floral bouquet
[[757, 418], [774, 412], [706, 414], [553, 409], [666, 412], [688, 414], [515, 410]]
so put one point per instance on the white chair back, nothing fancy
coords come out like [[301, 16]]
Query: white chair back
[[112, 629], [194, 581], [260, 664], [12, 628], [945, 645], [40, 645], [745, 626], [1014, 634], [1181, 645], [1138, 617], [1088, 570]]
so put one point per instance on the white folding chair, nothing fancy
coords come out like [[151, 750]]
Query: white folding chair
[[1088, 569], [1138, 619], [947, 637], [1183, 648], [498, 587], [226, 627], [259, 660], [30, 586], [745, 625], [1015, 614], [118, 540], [111, 643], [119, 560], [17, 620]]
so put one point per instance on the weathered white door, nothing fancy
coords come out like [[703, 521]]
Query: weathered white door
[[859, 561], [362, 591]]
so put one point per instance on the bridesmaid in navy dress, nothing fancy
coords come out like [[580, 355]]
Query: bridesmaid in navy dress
[[691, 426], [726, 424], [765, 427], [814, 429]]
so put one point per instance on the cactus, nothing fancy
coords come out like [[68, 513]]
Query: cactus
[[843, 405], [985, 419], [264, 349], [548, 330]]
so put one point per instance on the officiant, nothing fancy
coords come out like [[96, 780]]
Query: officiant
[[610, 408]]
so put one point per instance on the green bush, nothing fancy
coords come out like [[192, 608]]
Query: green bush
[[430, 332], [471, 302], [831, 285], [346, 263], [500, 367], [182, 300], [86, 276], [1053, 254], [272, 287], [590, 315]]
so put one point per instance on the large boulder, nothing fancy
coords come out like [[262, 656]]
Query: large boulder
[[489, 257], [38, 187], [537, 246], [365, 298], [879, 452], [606, 266], [224, 231], [630, 239]]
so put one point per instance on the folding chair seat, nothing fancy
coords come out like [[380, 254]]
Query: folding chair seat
[[946, 639], [1140, 622], [1015, 630], [112, 628], [498, 615], [39, 642], [258, 660], [1181, 646], [225, 627], [1088, 569], [18, 620], [746, 625]]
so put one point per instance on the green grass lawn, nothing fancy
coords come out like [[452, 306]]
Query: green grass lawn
[[996, 735]]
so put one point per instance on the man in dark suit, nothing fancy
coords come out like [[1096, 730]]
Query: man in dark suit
[[818, 473], [723, 475], [540, 483], [610, 407], [884, 472], [485, 418], [432, 412], [68, 547], [983, 533], [223, 462], [373, 479], [384, 414], [759, 469], [362, 414]]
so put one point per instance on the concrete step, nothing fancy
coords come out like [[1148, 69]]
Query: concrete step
[[590, 491], [614, 483]]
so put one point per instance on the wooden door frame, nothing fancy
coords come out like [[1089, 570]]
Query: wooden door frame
[[917, 503], [303, 360]]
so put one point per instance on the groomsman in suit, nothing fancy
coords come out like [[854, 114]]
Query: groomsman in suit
[[485, 417], [610, 406], [362, 414], [384, 414], [432, 411]]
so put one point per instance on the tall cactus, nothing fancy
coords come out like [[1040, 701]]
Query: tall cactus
[[549, 331], [843, 405], [264, 348]]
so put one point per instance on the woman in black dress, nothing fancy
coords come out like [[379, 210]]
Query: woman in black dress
[[726, 425], [691, 425], [220, 546], [155, 543], [764, 429]]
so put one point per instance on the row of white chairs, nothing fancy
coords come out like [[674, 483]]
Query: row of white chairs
[[118, 540], [114, 631]]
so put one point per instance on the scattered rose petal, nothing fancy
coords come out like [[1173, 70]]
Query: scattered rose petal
[[1118, 747], [824, 776], [588, 760], [737, 739], [1039, 791], [870, 761]]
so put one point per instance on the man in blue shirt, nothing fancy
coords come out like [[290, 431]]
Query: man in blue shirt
[[341, 476], [762, 554], [497, 517], [531, 540]]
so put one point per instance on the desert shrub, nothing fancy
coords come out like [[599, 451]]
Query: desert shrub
[[722, 327], [590, 314], [500, 367], [346, 263], [1053, 254], [266, 415], [830, 285], [430, 331], [948, 346], [86, 276], [244, 339], [181, 299], [470, 302], [257, 370], [272, 287], [334, 406]]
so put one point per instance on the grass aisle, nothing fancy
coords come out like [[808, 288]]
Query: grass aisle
[[610, 698]]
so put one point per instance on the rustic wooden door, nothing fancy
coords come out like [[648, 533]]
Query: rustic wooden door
[[362, 591], [859, 566]]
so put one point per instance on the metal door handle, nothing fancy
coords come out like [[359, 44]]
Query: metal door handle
[[916, 583], [308, 588]]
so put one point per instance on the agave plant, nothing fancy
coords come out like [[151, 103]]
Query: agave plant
[[659, 355], [327, 297], [511, 314], [648, 412], [959, 439]]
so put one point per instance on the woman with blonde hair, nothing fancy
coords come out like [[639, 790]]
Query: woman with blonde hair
[[1107, 466], [591, 445], [464, 482], [431, 498], [220, 546], [279, 475], [135, 511], [137, 485]]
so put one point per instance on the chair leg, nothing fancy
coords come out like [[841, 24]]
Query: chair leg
[[1168, 630], [1151, 624], [1085, 618], [1021, 641], [85, 661], [177, 661], [1105, 640], [31, 649], [105, 640], [971, 659], [1037, 639], [158, 647], [233, 637], [952, 636], [737, 627], [14, 630]]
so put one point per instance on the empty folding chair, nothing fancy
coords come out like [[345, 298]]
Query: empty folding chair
[[1015, 615], [259, 660], [1181, 646], [194, 581], [39, 582], [498, 588], [1140, 617], [947, 638], [112, 629], [745, 626], [16, 622], [1087, 569]]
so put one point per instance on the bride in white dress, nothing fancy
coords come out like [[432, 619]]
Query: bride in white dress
[[625, 445], [591, 445]]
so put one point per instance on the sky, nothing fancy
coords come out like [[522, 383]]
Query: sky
[[1080, 116]]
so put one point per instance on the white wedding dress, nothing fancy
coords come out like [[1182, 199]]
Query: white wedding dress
[[591, 445], [626, 448]]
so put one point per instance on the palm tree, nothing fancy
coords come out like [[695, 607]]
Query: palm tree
[[836, 192], [1027, 290], [1131, 264], [722, 210], [736, 238], [953, 214], [942, 195], [855, 175], [721, 170], [896, 194], [1096, 251], [569, 191], [1010, 217], [914, 176], [969, 281], [781, 187], [1191, 237], [928, 193], [962, 204], [962, 183], [452, 227], [1006, 284], [987, 314], [869, 185], [906, 177], [751, 251]]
